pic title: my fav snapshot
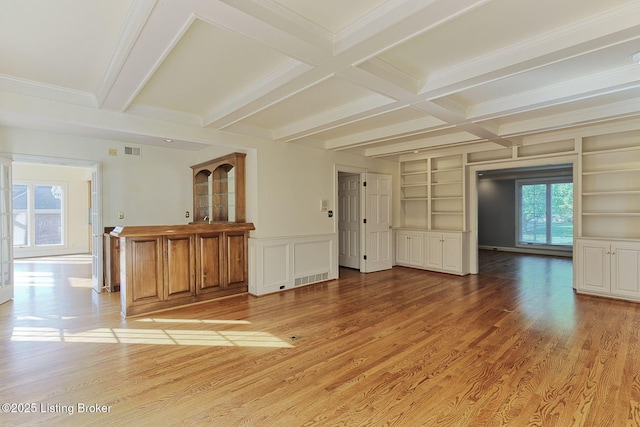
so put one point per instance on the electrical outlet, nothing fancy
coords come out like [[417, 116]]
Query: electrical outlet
[[120, 215], [113, 152], [186, 214]]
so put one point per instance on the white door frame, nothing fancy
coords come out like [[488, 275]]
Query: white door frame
[[352, 170], [96, 250]]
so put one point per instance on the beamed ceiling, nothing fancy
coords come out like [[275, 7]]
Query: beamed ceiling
[[372, 77]]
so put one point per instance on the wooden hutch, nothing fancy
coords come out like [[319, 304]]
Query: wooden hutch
[[171, 265]]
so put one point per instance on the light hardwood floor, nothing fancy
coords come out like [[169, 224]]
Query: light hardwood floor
[[513, 346]]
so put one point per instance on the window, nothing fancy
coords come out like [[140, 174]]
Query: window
[[37, 214], [545, 212]]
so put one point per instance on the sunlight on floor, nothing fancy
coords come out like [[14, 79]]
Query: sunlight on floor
[[34, 278], [58, 259], [217, 322], [150, 336]]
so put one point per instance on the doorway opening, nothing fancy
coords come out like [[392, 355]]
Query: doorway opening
[[498, 185], [79, 211], [349, 220]]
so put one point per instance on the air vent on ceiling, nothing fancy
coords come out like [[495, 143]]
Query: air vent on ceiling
[[132, 151]]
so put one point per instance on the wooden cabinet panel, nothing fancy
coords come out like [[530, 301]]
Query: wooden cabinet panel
[[236, 258], [169, 266], [179, 275], [145, 274], [209, 261]]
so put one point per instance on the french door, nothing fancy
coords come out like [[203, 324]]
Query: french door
[[6, 230]]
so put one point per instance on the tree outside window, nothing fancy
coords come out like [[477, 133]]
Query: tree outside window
[[545, 212]]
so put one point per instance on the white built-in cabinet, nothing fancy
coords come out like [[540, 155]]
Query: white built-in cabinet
[[607, 249], [429, 250], [445, 252], [608, 268], [410, 248], [433, 234]]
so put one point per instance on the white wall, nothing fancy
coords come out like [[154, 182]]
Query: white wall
[[285, 181], [76, 203]]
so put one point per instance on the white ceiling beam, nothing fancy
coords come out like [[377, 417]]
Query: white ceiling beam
[[165, 25], [278, 16], [137, 18], [232, 111], [584, 37], [385, 133], [624, 78], [333, 117], [421, 144], [430, 14], [621, 109]]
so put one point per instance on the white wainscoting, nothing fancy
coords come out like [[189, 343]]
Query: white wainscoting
[[277, 264]]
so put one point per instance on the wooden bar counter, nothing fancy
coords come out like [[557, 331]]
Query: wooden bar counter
[[172, 265]]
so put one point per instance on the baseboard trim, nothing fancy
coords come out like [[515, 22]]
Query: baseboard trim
[[565, 254]]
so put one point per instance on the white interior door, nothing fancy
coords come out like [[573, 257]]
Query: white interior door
[[349, 220], [377, 222], [96, 228], [6, 232]]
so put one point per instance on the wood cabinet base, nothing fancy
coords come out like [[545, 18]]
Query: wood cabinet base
[[169, 266]]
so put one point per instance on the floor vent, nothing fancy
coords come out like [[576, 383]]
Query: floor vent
[[132, 151], [314, 278]]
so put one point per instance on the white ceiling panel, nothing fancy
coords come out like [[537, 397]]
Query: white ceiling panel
[[208, 66], [325, 96], [65, 43], [494, 26], [332, 15]]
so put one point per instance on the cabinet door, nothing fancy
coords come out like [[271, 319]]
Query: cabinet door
[[209, 262], [403, 248], [179, 280], [434, 250], [144, 270], [593, 264], [416, 253], [452, 253], [625, 270], [236, 262]]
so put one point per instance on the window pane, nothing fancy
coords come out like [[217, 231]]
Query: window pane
[[20, 215], [20, 236], [47, 197], [562, 213], [47, 200], [533, 206], [48, 229], [19, 197]]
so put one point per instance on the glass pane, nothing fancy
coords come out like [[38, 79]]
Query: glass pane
[[562, 213], [47, 197], [533, 212], [47, 200], [20, 227], [19, 197], [48, 229]]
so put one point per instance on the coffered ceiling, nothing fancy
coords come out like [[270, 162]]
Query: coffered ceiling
[[372, 77]]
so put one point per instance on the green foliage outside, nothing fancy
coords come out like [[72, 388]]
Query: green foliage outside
[[533, 221]]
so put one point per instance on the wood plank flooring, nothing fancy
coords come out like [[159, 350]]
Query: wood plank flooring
[[512, 346]]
